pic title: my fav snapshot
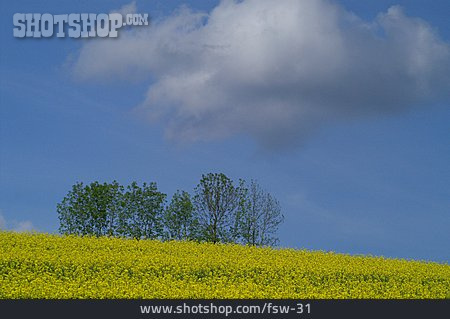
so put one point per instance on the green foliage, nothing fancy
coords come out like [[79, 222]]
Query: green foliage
[[91, 210], [180, 218], [110, 210], [219, 211], [143, 208]]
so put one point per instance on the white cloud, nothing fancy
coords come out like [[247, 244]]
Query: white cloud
[[24, 226], [2, 221], [273, 70], [14, 225], [126, 9]]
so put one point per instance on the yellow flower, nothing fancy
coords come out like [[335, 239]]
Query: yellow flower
[[51, 266]]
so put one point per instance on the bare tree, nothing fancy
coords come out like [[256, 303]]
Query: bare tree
[[260, 218]]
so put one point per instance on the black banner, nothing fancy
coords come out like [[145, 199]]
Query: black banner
[[149, 309]]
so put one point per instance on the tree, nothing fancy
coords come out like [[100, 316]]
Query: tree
[[219, 211], [90, 210], [143, 210], [180, 220], [217, 203], [107, 209], [71, 213], [260, 218]]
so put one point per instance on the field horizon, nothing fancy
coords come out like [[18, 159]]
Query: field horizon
[[40, 265]]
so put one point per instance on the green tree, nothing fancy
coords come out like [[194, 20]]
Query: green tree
[[143, 211], [219, 211], [71, 213], [180, 219], [90, 209], [108, 209], [218, 202]]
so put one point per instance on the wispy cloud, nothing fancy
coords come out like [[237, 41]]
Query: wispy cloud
[[24, 226], [127, 9], [274, 70], [2, 221], [14, 225]]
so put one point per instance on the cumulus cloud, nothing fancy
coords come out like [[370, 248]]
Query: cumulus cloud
[[273, 70]]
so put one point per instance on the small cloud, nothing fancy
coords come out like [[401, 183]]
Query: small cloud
[[14, 225], [24, 226], [126, 9], [2, 221]]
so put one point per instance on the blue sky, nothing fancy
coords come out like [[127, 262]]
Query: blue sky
[[319, 106]]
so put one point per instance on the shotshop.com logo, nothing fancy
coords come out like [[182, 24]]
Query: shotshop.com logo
[[74, 25]]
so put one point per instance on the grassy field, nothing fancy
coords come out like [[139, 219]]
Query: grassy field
[[49, 266]]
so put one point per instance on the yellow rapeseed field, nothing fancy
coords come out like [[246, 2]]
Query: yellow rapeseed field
[[51, 266]]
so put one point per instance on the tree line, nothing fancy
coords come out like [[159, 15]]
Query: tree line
[[219, 210]]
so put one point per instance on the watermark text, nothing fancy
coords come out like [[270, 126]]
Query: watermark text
[[74, 25]]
